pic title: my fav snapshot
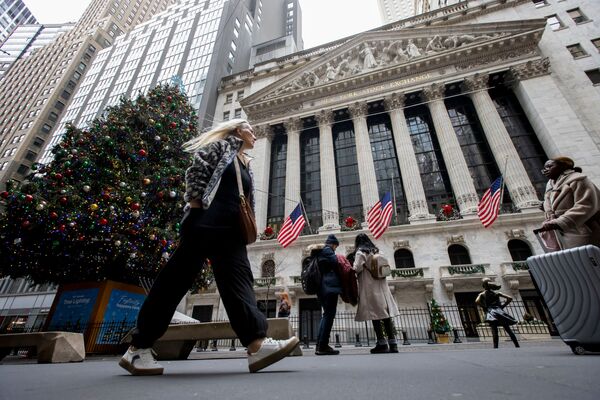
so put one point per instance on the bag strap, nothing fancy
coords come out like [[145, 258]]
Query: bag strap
[[239, 179]]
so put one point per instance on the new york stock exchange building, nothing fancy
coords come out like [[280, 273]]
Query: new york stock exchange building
[[431, 109]]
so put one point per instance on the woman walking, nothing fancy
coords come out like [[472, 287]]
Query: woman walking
[[375, 301], [495, 315], [210, 229]]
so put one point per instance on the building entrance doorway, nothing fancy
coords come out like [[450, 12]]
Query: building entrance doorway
[[469, 315]]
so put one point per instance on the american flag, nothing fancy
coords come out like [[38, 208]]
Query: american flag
[[292, 226], [487, 209], [380, 215]]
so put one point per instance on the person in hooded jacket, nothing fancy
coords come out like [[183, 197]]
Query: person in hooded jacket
[[571, 204], [330, 290], [375, 300]]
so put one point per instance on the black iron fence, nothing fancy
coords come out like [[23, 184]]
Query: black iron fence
[[413, 325]]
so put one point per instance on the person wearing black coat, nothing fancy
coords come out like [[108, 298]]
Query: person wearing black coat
[[495, 315], [331, 288]]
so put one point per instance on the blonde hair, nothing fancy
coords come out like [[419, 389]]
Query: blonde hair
[[219, 132]]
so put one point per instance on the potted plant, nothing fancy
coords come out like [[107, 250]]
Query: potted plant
[[439, 323]]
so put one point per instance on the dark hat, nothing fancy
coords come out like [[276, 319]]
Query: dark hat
[[331, 239]]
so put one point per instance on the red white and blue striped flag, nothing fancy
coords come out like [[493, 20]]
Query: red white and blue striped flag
[[380, 215], [292, 226], [487, 209]]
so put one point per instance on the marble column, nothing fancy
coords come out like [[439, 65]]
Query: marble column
[[553, 118], [409, 169], [507, 158], [292, 165], [366, 168], [260, 170], [460, 177], [329, 195]]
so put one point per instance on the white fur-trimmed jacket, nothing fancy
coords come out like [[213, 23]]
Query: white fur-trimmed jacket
[[203, 177]]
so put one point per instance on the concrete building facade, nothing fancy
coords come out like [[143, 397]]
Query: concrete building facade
[[12, 14], [394, 10], [432, 108], [37, 89]]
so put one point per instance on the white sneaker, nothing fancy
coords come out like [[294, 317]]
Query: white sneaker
[[140, 362], [270, 352]]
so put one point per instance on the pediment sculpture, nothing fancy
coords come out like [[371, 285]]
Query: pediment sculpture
[[374, 54]]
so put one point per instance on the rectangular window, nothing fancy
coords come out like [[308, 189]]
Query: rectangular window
[[23, 169], [53, 116], [237, 113], [30, 155], [65, 95], [81, 67], [240, 95], [59, 105], [46, 128], [594, 76], [233, 46], [576, 50], [554, 22], [596, 43], [539, 3], [228, 98], [226, 116], [577, 15], [38, 141]]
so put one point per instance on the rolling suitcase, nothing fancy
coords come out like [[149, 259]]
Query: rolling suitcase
[[569, 282]]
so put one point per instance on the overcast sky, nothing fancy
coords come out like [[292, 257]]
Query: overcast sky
[[323, 20]]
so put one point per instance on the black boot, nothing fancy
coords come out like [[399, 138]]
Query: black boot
[[381, 348], [326, 351], [393, 348]]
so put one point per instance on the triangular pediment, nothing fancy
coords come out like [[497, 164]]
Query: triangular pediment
[[388, 53]]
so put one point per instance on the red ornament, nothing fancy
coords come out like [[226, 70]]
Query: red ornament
[[103, 221], [29, 198], [169, 98], [268, 231], [63, 200], [447, 209], [160, 195], [62, 228], [349, 222], [135, 206], [106, 196], [4, 194], [173, 125], [25, 224], [58, 176], [53, 215], [163, 242], [68, 172], [142, 153]]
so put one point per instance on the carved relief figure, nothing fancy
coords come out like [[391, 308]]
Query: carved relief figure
[[344, 69], [412, 50], [330, 73], [435, 45], [394, 53], [368, 57], [456, 41]]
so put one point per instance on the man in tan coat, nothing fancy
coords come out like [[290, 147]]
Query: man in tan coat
[[571, 204]]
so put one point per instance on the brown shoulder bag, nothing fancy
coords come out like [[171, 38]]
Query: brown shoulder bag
[[247, 218]]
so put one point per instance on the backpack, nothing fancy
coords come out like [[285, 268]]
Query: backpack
[[380, 267], [311, 276]]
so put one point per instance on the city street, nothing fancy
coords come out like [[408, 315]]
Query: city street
[[471, 371]]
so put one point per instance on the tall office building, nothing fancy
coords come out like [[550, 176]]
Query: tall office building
[[12, 14], [25, 39], [194, 43], [394, 10], [37, 89]]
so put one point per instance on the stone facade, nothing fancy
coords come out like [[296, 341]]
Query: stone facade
[[466, 47]]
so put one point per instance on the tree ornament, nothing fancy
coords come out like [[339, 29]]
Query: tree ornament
[[163, 242], [136, 214], [143, 194], [58, 176], [103, 221], [152, 237], [63, 200], [122, 184], [94, 207], [172, 194], [25, 224], [53, 215], [4, 194], [86, 188], [151, 121], [28, 198], [142, 153], [146, 181], [135, 206], [128, 199], [447, 208], [117, 243], [173, 125], [40, 206], [62, 228], [157, 138]]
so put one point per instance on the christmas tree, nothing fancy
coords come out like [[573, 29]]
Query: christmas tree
[[439, 324], [108, 206]]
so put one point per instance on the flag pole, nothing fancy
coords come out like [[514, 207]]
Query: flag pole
[[305, 216], [394, 199], [502, 186]]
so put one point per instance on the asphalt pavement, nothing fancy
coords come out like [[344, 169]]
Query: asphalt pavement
[[543, 370]]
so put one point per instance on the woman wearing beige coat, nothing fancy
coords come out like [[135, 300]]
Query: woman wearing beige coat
[[375, 301], [571, 204]]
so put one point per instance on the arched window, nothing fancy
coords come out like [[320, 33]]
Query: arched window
[[459, 254], [404, 259], [519, 250], [268, 269]]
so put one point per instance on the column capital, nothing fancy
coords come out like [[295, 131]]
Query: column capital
[[394, 102], [324, 117], [476, 83], [263, 131], [358, 110], [292, 125], [434, 91], [530, 69]]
